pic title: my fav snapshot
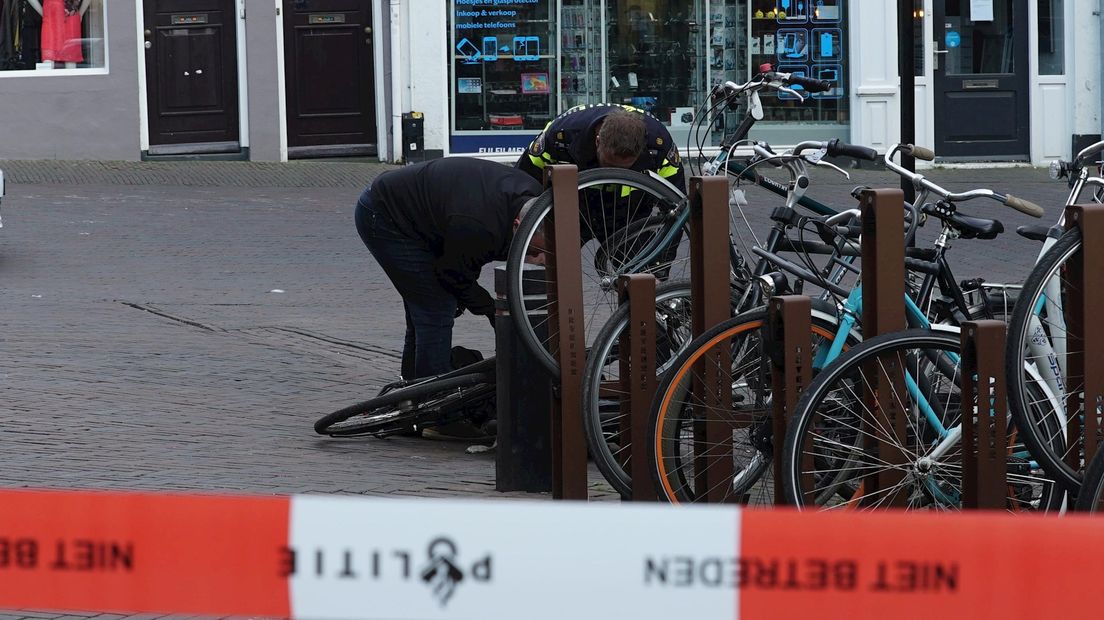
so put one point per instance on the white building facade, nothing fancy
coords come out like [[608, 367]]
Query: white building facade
[[272, 80]]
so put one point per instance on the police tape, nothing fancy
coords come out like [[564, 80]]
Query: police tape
[[325, 557]]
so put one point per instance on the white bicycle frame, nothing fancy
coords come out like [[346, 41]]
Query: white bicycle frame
[[1052, 347]]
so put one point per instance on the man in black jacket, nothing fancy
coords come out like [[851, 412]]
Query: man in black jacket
[[432, 227]]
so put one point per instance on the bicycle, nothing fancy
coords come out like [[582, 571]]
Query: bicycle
[[829, 450], [676, 407], [639, 217], [601, 390], [1039, 333], [409, 406]]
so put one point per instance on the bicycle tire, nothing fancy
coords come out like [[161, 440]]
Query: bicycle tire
[[842, 454], [1017, 356], [669, 410], [673, 301], [378, 415], [1091, 496], [533, 220]]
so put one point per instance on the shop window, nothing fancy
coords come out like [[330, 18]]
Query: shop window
[[580, 53], [728, 55], [1052, 37], [655, 59], [804, 37], [503, 72], [51, 35]]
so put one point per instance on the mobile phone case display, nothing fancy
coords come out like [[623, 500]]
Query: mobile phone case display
[[655, 57], [808, 38], [580, 52], [503, 64], [728, 53]]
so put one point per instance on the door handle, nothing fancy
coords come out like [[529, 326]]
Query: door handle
[[367, 30], [935, 57], [148, 33]]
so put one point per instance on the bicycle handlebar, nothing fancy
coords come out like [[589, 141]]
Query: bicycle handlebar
[[776, 80], [837, 148], [920, 152], [920, 182], [1089, 151], [1024, 206]]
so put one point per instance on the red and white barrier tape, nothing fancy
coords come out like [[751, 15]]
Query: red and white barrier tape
[[322, 557]]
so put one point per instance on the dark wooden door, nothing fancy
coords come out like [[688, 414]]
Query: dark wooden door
[[191, 71], [981, 87], [329, 73]]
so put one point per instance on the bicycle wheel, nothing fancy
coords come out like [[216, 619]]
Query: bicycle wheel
[[603, 419], [680, 410], [1091, 496], [426, 402], [1036, 355], [830, 446], [621, 215]]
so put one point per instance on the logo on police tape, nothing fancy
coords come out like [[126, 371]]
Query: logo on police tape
[[442, 570]]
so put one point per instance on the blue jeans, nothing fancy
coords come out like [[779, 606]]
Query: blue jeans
[[430, 309]]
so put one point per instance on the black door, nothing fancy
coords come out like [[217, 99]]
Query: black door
[[191, 71], [328, 69], [981, 87]]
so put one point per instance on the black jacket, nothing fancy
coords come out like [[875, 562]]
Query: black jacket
[[463, 209]]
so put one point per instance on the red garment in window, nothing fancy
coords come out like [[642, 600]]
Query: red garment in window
[[61, 33]]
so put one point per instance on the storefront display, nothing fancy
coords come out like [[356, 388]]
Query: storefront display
[[808, 38], [655, 59], [51, 34], [504, 70], [580, 53], [518, 64]]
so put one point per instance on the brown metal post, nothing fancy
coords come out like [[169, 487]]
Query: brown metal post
[[709, 285], [789, 323], [1084, 291], [639, 350], [565, 314], [883, 295], [984, 416]]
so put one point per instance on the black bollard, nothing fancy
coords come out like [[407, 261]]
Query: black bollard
[[523, 458]]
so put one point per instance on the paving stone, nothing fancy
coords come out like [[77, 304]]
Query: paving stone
[[143, 349]]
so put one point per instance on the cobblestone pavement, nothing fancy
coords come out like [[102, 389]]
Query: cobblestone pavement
[[145, 345]]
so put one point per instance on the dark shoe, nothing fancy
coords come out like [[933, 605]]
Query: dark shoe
[[462, 357]]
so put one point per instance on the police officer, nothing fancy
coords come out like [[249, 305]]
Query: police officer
[[609, 135], [605, 135]]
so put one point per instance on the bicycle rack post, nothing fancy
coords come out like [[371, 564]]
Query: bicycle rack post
[[523, 458], [984, 440], [883, 311], [1085, 297], [789, 345], [565, 315], [709, 286], [638, 379]]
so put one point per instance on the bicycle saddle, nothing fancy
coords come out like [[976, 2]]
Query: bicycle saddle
[[976, 227], [968, 227], [1034, 233]]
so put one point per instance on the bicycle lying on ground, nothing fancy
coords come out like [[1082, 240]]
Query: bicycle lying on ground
[[406, 407]]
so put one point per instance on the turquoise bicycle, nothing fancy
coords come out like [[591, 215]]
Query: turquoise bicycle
[[678, 412]]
